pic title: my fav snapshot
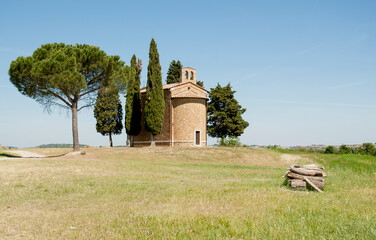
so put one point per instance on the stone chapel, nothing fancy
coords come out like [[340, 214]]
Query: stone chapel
[[184, 117]]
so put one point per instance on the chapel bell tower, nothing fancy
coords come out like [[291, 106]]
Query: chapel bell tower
[[188, 74]]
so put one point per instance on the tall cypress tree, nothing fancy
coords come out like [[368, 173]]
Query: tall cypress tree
[[108, 112], [173, 74], [225, 114], [133, 102], [154, 100]]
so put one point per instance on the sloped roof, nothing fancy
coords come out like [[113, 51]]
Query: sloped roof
[[171, 85]]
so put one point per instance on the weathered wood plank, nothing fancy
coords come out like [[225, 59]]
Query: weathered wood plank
[[298, 184], [301, 177], [306, 172], [312, 185], [310, 167]]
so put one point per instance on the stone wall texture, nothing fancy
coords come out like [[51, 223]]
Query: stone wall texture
[[163, 139], [189, 116], [184, 117]]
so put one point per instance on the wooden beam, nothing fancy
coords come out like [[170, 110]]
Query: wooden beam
[[313, 185]]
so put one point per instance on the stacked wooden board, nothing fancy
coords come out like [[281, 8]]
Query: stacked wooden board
[[300, 177]]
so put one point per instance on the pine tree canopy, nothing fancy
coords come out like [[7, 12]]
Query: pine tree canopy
[[65, 75], [108, 112], [173, 74], [154, 101], [224, 113], [60, 74], [133, 101]]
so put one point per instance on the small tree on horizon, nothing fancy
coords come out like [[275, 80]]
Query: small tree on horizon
[[173, 74], [154, 99], [368, 149], [344, 149], [330, 150], [108, 113], [224, 114], [133, 101]]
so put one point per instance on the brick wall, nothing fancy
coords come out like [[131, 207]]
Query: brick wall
[[184, 115], [143, 139], [189, 115]]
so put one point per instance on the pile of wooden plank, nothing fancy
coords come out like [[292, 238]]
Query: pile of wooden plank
[[300, 177]]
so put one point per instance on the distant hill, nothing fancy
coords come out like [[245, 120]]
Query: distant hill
[[58, 145]]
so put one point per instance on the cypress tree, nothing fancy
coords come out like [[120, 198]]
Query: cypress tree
[[224, 114], [108, 112], [173, 74], [133, 102], [154, 100]]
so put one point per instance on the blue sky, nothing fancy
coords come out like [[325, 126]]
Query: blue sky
[[305, 70]]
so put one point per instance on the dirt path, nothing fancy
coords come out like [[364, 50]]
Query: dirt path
[[23, 154], [26, 154], [291, 158]]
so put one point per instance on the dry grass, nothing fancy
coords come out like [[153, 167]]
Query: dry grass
[[187, 193]]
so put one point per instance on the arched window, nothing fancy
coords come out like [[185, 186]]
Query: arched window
[[186, 74], [191, 75]]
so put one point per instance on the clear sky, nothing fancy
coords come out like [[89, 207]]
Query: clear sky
[[305, 70]]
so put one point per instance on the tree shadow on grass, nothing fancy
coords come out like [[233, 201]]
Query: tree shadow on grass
[[2, 154]]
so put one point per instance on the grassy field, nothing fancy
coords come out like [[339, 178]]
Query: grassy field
[[183, 193]]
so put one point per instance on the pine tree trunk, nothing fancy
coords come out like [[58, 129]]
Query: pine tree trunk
[[152, 141], [76, 144], [132, 140], [110, 136], [222, 142], [128, 140]]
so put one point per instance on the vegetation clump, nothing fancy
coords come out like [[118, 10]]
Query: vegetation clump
[[154, 101], [225, 114], [330, 150], [108, 113], [58, 145], [133, 101], [230, 142], [365, 149], [64, 75], [173, 74]]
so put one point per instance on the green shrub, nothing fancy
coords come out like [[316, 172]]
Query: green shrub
[[272, 147], [330, 150], [230, 142], [368, 149], [343, 149]]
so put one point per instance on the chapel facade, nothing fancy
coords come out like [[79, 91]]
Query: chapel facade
[[184, 117]]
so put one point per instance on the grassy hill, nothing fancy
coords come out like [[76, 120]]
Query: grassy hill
[[183, 193]]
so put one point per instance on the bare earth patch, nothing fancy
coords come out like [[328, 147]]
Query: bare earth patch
[[292, 158], [27, 154], [23, 154]]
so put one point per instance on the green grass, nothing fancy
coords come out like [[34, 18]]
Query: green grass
[[183, 193]]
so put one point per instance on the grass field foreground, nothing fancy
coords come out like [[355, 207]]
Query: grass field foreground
[[183, 193]]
